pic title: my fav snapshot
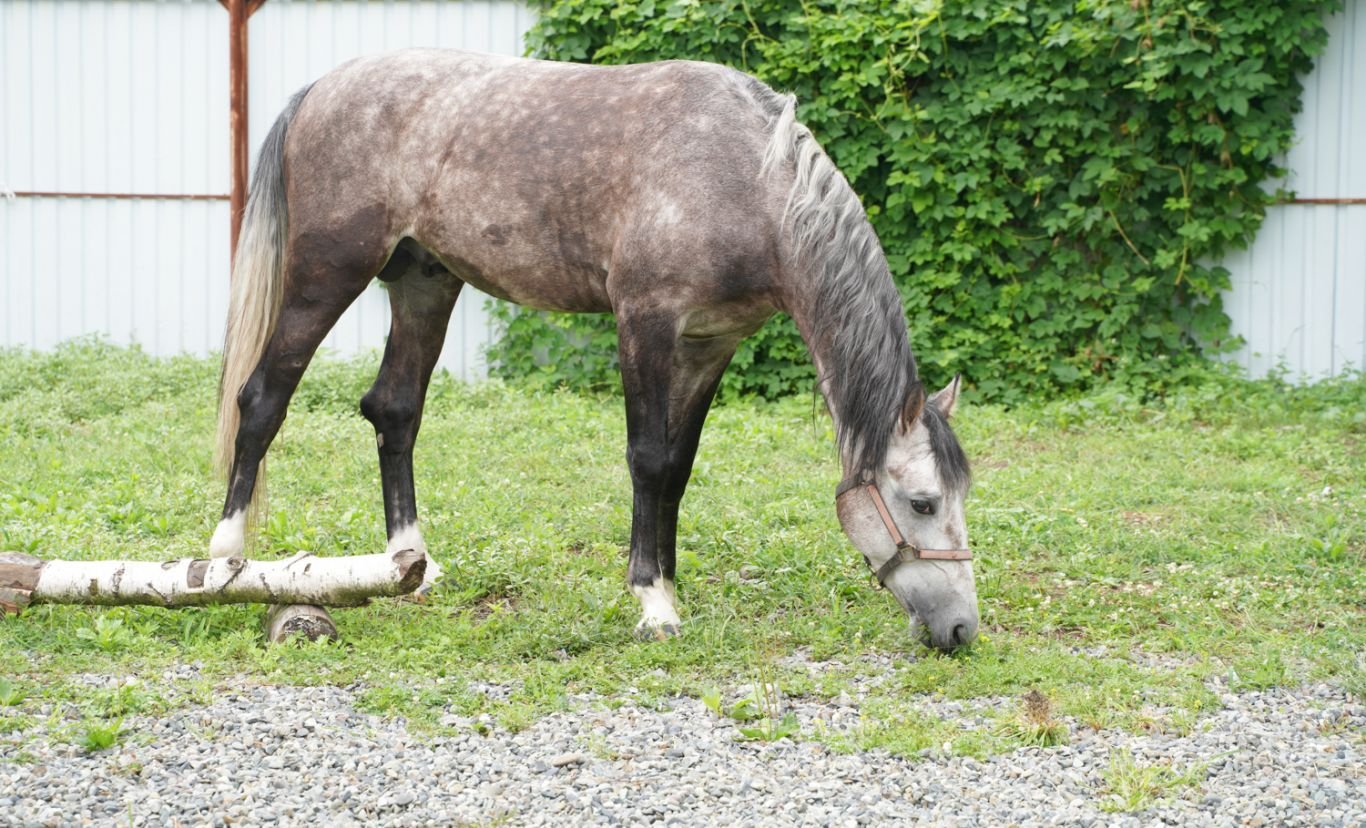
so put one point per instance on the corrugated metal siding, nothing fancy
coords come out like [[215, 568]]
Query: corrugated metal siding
[[130, 96], [1299, 290], [88, 106]]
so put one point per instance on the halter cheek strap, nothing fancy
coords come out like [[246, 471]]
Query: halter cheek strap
[[905, 550]]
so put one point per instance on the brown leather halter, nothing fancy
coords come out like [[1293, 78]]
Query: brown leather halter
[[905, 550]]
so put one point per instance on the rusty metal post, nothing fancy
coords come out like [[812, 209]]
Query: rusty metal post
[[237, 102], [239, 11]]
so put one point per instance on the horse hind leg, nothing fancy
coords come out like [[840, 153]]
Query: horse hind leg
[[314, 299], [422, 295]]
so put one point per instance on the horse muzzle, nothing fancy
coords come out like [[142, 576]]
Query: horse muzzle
[[941, 599]]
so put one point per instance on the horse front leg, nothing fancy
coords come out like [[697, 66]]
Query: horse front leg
[[421, 300], [669, 384]]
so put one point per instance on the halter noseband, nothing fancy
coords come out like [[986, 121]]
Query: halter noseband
[[905, 550]]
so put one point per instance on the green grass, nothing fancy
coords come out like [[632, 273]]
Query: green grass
[[1126, 552]]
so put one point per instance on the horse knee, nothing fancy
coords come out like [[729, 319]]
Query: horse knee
[[649, 465], [273, 381], [660, 468], [677, 481], [250, 394]]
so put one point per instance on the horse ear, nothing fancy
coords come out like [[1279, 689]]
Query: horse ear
[[915, 401], [946, 398]]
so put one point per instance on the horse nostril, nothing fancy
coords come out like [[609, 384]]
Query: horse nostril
[[963, 634]]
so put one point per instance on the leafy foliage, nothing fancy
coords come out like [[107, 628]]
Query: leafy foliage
[[10, 694], [1050, 180]]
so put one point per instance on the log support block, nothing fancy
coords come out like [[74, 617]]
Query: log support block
[[286, 621]]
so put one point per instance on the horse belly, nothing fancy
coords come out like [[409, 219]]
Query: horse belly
[[557, 274], [512, 234]]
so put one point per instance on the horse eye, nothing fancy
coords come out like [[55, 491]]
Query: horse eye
[[923, 507]]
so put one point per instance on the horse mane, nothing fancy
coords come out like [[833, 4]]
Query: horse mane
[[857, 322]]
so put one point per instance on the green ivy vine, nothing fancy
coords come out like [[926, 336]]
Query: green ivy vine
[[1051, 181]]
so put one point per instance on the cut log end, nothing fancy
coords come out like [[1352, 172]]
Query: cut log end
[[18, 577], [286, 621], [412, 568], [14, 601]]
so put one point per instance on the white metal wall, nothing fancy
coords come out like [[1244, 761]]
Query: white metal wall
[[131, 96], [1299, 290], [90, 103]]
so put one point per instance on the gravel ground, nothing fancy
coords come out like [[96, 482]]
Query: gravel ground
[[308, 756]]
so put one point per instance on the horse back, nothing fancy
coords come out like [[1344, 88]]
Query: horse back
[[559, 186]]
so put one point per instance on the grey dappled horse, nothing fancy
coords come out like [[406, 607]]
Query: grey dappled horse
[[682, 197]]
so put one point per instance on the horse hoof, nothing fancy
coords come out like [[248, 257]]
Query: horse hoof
[[657, 632], [421, 595]]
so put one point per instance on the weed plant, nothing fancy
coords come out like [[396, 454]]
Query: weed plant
[[1131, 785]]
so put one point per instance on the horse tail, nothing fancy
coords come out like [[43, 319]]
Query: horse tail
[[258, 281]]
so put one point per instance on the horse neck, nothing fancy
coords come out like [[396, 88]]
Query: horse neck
[[839, 291], [849, 313]]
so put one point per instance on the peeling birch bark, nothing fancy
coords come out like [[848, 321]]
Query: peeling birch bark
[[348, 581]]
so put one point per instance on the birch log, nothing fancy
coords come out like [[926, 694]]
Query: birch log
[[347, 581]]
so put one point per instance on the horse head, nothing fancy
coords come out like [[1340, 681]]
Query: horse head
[[907, 520]]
